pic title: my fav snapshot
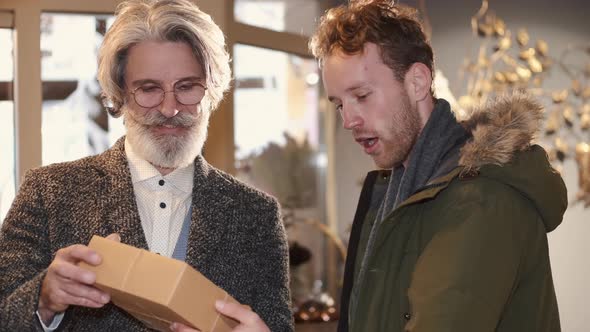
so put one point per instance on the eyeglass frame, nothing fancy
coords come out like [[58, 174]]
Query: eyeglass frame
[[164, 92]]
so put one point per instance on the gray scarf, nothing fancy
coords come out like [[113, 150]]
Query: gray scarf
[[437, 147]]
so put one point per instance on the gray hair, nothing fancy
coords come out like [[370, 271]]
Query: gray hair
[[162, 20]]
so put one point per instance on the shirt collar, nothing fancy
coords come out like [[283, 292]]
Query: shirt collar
[[141, 170]]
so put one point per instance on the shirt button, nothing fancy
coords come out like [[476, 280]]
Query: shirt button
[[161, 182], [407, 316], [163, 205]]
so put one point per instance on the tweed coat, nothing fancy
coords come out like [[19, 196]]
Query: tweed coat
[[236, 239]]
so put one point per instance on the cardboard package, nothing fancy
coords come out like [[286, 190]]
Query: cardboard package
[[158, 290]]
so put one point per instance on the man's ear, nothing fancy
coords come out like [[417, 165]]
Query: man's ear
[[418, 81]]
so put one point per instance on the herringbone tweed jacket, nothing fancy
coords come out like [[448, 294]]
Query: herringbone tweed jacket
[[236, 239]]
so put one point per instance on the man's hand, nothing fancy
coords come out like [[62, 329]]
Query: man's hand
[[249, 320], [67, 284]]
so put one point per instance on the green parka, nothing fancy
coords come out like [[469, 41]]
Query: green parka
[[468, 252]]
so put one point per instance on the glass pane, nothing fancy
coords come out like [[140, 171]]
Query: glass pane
[[7, 164], [280, 147], [280, 15], [70, 89]]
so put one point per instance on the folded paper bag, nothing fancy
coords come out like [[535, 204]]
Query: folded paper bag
[[158, 290]]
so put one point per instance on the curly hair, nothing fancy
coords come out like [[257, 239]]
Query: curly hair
[[394, 28], [162, 20]]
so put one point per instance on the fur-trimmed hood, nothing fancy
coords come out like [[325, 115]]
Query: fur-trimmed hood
[[500, 129], [501, 148]]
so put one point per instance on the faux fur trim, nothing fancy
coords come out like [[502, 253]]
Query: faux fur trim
[[500, 128]]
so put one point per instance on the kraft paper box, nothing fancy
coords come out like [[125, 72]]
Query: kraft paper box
[[158, 290]]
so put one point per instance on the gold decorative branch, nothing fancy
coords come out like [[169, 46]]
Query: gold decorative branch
[[507, 62]]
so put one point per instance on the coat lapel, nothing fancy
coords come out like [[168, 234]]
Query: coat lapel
[[117, 201], [432, 189], [209, 219]]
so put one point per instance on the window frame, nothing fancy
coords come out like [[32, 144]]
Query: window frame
[[26, 22]]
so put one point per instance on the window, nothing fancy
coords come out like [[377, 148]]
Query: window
[[7, 164], [276, 94], [280, 149], [71, 93], [297, 17]]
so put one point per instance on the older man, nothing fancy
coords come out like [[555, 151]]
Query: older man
[[164, 67]]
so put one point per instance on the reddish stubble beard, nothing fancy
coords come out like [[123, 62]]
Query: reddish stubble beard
[[397, 136]]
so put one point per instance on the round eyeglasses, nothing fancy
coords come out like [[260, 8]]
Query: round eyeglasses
[[187, 93]]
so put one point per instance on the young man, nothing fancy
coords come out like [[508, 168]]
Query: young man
[[451, 236], [164, 67]]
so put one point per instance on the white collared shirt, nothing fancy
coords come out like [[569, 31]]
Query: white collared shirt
[[162, 202]]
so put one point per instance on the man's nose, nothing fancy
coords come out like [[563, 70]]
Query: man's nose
[[169, 108], [350, 118]]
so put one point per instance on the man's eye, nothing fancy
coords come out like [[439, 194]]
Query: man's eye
[[362, 97], [339, 108], [148, 89], [187, 87]]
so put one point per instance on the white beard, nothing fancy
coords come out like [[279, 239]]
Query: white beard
[[167, 151]]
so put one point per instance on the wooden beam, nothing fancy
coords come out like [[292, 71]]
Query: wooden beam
[[27, 87], [282, 41], [6, 20], [6, 91]]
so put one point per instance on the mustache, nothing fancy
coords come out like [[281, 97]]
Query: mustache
[[363, 133], [155, 118]]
